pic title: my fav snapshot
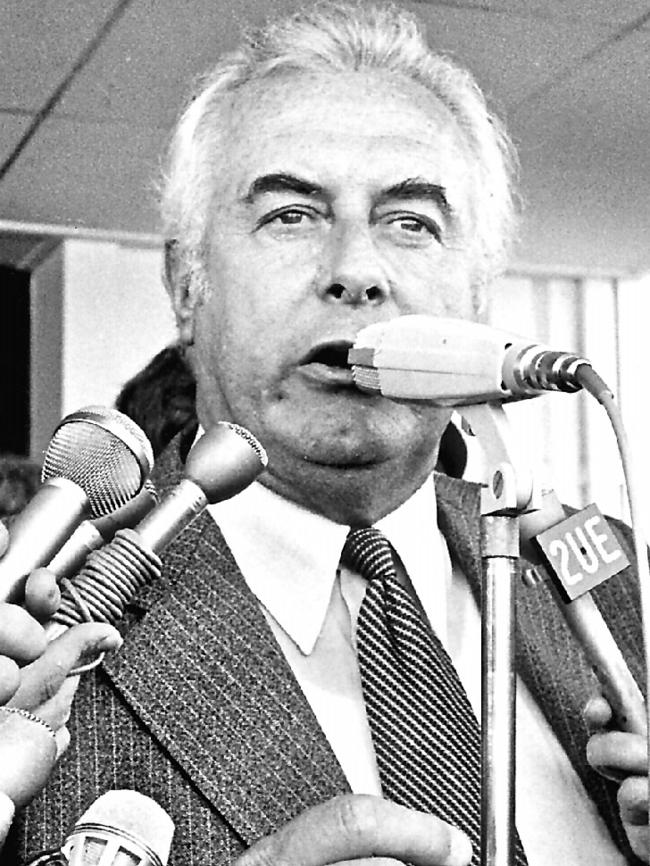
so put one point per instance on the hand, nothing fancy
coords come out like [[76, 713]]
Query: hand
[[622, 757], [23, 641], [34, 677], [7, 810], [364, 831], [22, 637]]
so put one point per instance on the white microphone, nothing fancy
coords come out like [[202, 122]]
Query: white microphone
[[453, 362], [119, 828], [96, 462]]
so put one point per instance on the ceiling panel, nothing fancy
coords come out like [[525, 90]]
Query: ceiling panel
[[586, 162], [142, 72], [91, 175], [510, 55], [12, 127], [597, 11], [40, 39]]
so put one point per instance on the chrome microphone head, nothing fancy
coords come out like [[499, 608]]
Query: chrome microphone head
[[104, 452], [225, 460]]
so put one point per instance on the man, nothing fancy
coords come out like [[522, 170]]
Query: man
[[332, 174]]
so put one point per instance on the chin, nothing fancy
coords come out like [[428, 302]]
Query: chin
[[362, 442]]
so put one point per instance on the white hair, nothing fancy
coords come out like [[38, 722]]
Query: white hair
[[343, 37]]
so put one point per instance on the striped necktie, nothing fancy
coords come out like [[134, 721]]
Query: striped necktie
[[424, 731]]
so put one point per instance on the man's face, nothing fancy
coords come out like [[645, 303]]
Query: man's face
[[340, 200]]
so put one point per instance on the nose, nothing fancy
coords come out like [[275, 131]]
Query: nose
[[356, 274]]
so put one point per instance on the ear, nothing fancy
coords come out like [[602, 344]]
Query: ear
[[177, 283]]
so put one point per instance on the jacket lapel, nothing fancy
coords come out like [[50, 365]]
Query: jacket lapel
[[549, 658], [205, 674]]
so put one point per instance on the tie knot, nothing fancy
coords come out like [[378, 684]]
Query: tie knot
[[368, 552]]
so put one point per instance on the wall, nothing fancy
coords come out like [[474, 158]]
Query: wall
[[101, 314], [46, 380], [115, 318], [568, 436]]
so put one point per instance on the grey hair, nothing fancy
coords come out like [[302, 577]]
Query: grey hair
[[334, 37]]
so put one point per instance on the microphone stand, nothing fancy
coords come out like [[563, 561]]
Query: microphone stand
[[509, 492]]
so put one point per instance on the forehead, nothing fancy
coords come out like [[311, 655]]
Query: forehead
[[369, 128]]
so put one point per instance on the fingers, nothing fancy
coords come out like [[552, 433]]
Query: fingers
[[56, 711], [9, 678], [633, 804], [633, 800], [42, 679], [7, 810], [42, 594], [616, 754], [28, 750], [354, 827], [21, 637], [62, 738], [597, 713]]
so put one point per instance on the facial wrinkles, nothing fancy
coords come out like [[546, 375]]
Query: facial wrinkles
[[409, 117]]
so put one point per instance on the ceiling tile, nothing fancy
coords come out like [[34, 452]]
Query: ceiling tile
[[143, 72], [40, 42], [596, 11], [12, 127], [510, 55], [586, 161], [93, 175]]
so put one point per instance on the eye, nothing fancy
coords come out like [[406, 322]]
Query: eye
[[417, 226], [289, 219]]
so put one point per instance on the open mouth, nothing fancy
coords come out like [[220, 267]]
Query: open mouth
[[333, 354]]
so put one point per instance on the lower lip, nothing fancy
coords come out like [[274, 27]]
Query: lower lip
[[322, 374]]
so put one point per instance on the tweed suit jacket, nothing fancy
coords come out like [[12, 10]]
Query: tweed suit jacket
[[200, 710]]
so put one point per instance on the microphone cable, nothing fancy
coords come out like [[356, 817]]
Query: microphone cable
[[594, 385]]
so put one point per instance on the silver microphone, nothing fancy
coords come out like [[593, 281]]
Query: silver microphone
[[453, 362], [96, 462], [221, 464], [93, 534]]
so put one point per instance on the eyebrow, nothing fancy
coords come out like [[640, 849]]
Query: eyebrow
[[417, 188], [411, 189], [281, 182]]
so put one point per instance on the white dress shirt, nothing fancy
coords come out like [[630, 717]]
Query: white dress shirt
[[290, 559]]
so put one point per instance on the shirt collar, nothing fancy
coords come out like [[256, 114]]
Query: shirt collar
[[289, 556]]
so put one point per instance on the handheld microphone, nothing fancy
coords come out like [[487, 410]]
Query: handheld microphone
[[221, 464], [452, 362], [92, 534], [119, 828], [96, 461]]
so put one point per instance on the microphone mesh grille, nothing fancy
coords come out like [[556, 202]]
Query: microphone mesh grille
[[252, 441], [102, 451]]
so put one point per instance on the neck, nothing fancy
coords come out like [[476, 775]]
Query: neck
[[353, 496]]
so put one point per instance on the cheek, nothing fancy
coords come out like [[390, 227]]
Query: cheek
[[434, 286]]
